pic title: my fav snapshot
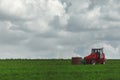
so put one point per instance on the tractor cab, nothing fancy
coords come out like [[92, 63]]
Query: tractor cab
[[98, 52], [96, 56]]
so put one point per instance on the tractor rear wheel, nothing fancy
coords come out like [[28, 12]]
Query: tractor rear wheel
[[93, 62], [103, 62]]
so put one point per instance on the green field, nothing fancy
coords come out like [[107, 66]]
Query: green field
[[57, 70]]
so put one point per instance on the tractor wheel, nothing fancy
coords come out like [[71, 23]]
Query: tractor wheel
[[103, 62], [84, 62], [93, 62]]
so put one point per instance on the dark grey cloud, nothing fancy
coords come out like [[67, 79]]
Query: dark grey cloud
[[97, 3], [8, 36], [78, 23], [41, 44]]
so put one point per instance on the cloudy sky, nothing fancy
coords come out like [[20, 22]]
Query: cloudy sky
[[58, 28]]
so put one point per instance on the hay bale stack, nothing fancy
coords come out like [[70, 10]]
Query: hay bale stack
[[76, 60]]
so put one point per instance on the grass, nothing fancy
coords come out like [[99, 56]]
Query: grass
[[57, 70]]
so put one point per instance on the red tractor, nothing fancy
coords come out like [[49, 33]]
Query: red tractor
[[96, 56]]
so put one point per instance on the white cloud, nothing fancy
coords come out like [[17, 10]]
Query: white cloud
[[58, 28]]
